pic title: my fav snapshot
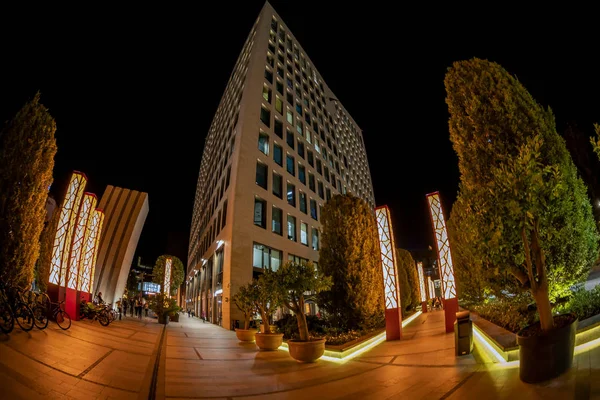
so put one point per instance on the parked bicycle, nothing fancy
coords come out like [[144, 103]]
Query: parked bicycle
[[59, 315], [13, 309], [94, 312], [40, 306]]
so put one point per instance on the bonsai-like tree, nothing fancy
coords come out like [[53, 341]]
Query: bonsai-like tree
[[527, 210], [27, 149], [163, 305], [177, 272], [350, 255], [268, 297], [245, 300], [294, 281]]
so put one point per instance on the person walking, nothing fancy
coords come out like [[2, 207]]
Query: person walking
[[146, 308], [132, 306]]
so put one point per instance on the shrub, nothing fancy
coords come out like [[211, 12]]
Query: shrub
[[511, 313], [288, 325], [584, 304]]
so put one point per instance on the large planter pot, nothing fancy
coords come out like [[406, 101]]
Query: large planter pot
[[548, 354], [268, 341], [163, 319], [174, 317], [245, 335], [307, 352]]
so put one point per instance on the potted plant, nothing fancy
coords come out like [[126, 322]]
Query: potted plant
[[174, 312], [268, 298], [162, 305], [245, 301], [294, 280]]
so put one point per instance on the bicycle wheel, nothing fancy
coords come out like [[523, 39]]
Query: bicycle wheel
[[63, 320], [24, 316], [112, 316], [103, 318], [40, 317], [7, 321]]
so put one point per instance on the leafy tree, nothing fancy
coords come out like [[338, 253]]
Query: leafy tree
[[526, 209], [350, 255], [245, 300], [296, 279], [27, 149], [42, 269], [132, 283], [596, 141], [177, 272], [409, 280], [269, 297]]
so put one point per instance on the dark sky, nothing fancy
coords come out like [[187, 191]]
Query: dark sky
[[133, 91]]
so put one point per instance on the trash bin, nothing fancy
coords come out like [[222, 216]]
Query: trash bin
[[463, 333]]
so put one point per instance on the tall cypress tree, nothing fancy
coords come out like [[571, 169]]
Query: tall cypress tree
[[27, 149], [525, 208], [350, 254]]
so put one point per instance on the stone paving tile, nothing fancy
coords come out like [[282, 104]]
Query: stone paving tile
[[120, 370]]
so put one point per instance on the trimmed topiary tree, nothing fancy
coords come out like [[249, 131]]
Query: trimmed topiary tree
[[177, 272], [409, 280], [527, 210], [245, 300]]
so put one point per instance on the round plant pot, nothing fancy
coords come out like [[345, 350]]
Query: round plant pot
[[548, 354], [306, 352], [269, 341], [245, 335], [163, 319], [174, 317], [262, 328]]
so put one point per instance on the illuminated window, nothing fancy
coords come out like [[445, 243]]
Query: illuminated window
[[299, 127], [291, 228], [260, 212], [290, 116], [266, 94], [304, 233], [279, 105], [291, 194], [302, 202], [315, 239], [265, 257], [263, 143]]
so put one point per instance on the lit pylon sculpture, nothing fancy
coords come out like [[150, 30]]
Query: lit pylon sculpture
[[422, 287], [167, 282], [444, 258], [393, 310], [85, 283], [82, 231], [431, 288]]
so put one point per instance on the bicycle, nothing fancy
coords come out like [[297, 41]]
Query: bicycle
[[19, 311], [39, 304], [59, 315]]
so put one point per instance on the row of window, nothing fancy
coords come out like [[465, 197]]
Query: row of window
[[265, 257], [277, 222]]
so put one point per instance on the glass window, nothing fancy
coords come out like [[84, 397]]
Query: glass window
[[326, 175], [268, 76], [310, 158], [320, 186], [276, 257], [278, 154], [315, 239], [300, 149], [302, 202], [299, 128], [290, 117], [263, 143], [265, 257], [265, 116], [290, 164], [279, 105], [290, 98], [311, 182], [279, 128], [260, 212], [276, 220], [224, 220], [313, 209], [277, 185], [328, 194], [291, 194], [304, 233], [280, 73], [267, 94], [307, 135], [319, 167], [302, 173], [299, 108], [279, 86], [291, 227], [290, 138], [261, 175]]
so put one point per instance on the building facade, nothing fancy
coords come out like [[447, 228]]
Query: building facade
[[280, 145]]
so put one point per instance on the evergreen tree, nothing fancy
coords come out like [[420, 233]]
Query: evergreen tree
[[408, 279], [525, 208], [350, 255], [27, 149], [177, 272], [596, 141]]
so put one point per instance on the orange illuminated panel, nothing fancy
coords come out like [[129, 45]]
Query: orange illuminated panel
[[421, 281], [167, 286], [431, 288], [86, 271], [61, 251], [443, 245], [80, 237], [388, 257]]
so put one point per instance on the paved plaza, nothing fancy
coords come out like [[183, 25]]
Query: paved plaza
[[133, 359]]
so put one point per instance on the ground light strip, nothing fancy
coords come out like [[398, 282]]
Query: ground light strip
[[361, 348]]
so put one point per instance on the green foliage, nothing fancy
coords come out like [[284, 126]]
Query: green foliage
[[583, 303], [350, 255], [177, 272], [27, 149], [288, 325], [596, 141], [293, 281], [516, 174], [42, 266], [409, 280], [245, 300], [162, 304], [268, 296], [512, 314]]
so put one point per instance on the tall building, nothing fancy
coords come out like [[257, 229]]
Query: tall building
[[280, 145]]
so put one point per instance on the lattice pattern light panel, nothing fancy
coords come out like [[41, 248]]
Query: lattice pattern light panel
[[388, 257], [80, 237], [85, 282], [431, 288], [422, 281], [61, 251], [443, 245], [167, 286]]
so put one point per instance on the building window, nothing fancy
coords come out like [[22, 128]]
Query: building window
[[277, 185], [311, 182], [279, 87], [261, 175], [302, 173], [307, 135], [300, 149], [299, 108], [279, 105], [304, 233], [296, 260], [265, 116], [227, 177], [291, 227], [290, 98], [289, 138], [224, 220], [268, 75], [276, 220], [319, 167], [278, 154], [290, 165], [265, 257], [299, 128], [328, 194], [290, 116], [313, 209], [315, 239], [326, 175], [310, 158], [291, 194], [320, 186], [263, 143], [267, 94], [260, 212], [302, 202]]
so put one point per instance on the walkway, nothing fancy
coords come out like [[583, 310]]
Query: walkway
[[200, 360]]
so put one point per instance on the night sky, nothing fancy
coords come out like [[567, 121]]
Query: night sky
[[133, 91]]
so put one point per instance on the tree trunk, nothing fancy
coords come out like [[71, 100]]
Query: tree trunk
[[302, 326], [246, 321], [265, 321], [544, 309]]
